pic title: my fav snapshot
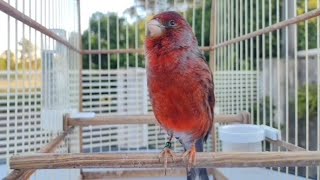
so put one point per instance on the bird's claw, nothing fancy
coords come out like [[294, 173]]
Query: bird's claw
[[190, 157], [165, 153]]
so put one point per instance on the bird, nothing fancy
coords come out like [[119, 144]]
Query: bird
[[181, 88]]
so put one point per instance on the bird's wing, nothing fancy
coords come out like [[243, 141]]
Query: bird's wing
[[209, 85]]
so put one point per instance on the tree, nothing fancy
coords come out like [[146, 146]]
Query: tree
[[257, 23], [4, 60], [312, 105], [198, 23], [108, 40], [312, 27], [27, 49]]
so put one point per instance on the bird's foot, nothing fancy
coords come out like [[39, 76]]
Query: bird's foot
[[190, 157], [165, 153]]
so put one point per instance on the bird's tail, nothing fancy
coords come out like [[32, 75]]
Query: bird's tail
[[198, 173]]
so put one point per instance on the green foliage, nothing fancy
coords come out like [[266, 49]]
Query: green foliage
[[312, 35], [136, 31], [27, 60], [129, 36], [198, 24], [3, 64], [27, 65], [264, 114], [313, 102], [4, 60], [311, 27], [136, 35], [261, 20]]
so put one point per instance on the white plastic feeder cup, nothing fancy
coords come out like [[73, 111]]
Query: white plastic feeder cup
[[241, 138]]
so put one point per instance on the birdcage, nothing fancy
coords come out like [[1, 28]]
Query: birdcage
[[74, 100]]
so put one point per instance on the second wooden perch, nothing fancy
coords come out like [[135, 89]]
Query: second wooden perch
[[243, 117]]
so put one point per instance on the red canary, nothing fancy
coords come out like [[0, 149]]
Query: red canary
[[180, 85]]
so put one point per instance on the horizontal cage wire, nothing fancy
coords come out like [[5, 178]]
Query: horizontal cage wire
[[58, 58]]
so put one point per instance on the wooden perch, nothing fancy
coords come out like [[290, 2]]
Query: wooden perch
[[286, 145], [148, 119], [150, 160], [137, 173], [50, 147]]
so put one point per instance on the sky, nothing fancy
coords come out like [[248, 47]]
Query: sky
[[88, 7]]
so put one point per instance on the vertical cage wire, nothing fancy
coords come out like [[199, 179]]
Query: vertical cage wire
[[318, 88], [307, 84], [246, 54], [251, 58], [232, 65], [270, 65], [296, 84], [8, 89], [16, 77], [218, 30], [224, 38], [241, 14], [258, 61], [228, 49], [263, 49], [278, 69], [286, 79]]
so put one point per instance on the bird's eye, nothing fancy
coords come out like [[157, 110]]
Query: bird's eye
[[172, 23]]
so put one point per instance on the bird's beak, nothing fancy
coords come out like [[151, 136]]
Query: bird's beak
[[155, 28]]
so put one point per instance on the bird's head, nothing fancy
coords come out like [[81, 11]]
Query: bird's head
[[166, 22], [169, 26]]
